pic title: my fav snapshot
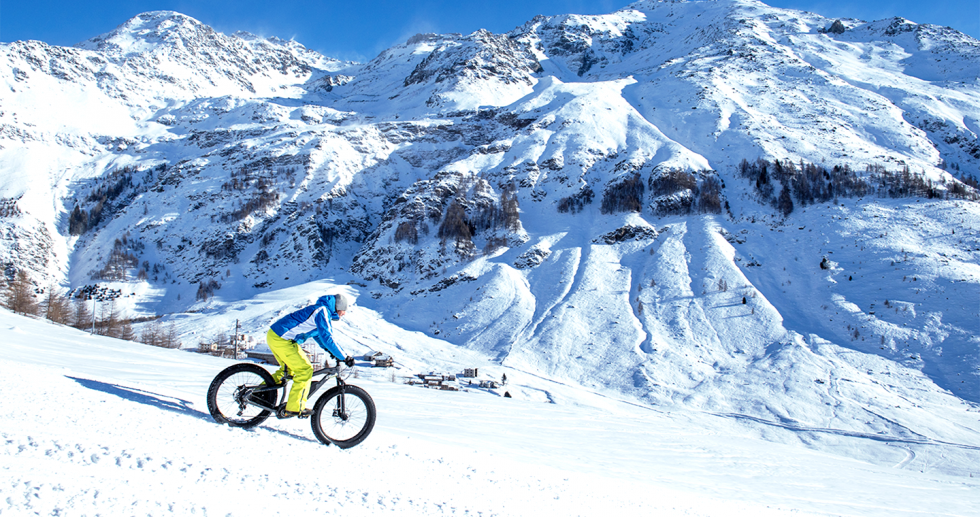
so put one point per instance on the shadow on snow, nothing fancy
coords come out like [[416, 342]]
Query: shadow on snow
[[142, 397]]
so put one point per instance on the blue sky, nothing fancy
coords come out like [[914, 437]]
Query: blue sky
[[359, 30]]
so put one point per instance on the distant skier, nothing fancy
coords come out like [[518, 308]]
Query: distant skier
[[289, 331]]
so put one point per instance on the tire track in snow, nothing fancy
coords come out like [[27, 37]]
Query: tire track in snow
[[909, 456], [841, 432]]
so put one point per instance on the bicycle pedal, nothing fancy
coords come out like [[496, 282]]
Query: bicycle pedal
[[306, 413]]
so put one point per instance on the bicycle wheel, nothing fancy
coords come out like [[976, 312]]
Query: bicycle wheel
[[343, 416], [230, 394]]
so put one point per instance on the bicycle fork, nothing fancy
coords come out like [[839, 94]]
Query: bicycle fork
[[341, 410]]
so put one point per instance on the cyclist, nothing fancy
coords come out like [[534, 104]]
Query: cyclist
[[289, 331]]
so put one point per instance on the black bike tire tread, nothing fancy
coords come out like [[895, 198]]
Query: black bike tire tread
[[350, 390], [223, 376]]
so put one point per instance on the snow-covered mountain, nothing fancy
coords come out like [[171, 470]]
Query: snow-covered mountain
[[592, 200]]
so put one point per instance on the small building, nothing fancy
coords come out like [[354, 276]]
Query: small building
[[265, 357], [379, 359], [434, 380], [471, 372], [246, 342], [436, 376]]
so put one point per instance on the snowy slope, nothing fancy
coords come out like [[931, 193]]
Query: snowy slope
[[127, 430], [735, 79]]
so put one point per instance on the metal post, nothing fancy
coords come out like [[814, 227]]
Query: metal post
[[235, 341]]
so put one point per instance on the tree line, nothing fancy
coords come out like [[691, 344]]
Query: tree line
[[675, 192], [111, 187], [782, 184], [808, 183], [21, 296]]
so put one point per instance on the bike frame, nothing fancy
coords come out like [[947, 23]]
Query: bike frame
[[332, 371]]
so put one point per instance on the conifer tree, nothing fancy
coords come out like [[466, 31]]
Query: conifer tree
[[20, 295], [511, 210], [77, 221], [785, 202], [56, 307], [103, 320], [171, 339], [126, 331], [4, 286], [150, 334], [112, 320], [82, 318]]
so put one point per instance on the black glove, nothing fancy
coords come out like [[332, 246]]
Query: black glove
[[349, 361]]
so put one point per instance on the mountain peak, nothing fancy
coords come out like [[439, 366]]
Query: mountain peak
[[160, 20], [653, 4], [148, 30]]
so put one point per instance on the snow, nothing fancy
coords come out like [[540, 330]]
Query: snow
[[708, 366], [764, 82], [93, 425]]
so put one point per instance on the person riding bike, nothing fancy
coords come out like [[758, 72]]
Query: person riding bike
[[288, 332]]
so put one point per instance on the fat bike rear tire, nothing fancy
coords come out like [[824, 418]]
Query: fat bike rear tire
[[229, 395], [348, 427]]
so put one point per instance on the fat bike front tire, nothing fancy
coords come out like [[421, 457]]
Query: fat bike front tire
[[343, 416], [230, 395]]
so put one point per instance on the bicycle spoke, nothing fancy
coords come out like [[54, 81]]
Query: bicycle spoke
[[345, 417], [231, 398]]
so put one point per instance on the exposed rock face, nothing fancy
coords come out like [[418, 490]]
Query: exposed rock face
[[628, 233], [531, 258], [345, 175], [482, 56]]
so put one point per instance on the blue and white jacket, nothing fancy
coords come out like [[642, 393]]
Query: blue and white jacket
[[312, 322]]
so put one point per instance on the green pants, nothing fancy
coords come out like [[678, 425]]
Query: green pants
[[291, 356]]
